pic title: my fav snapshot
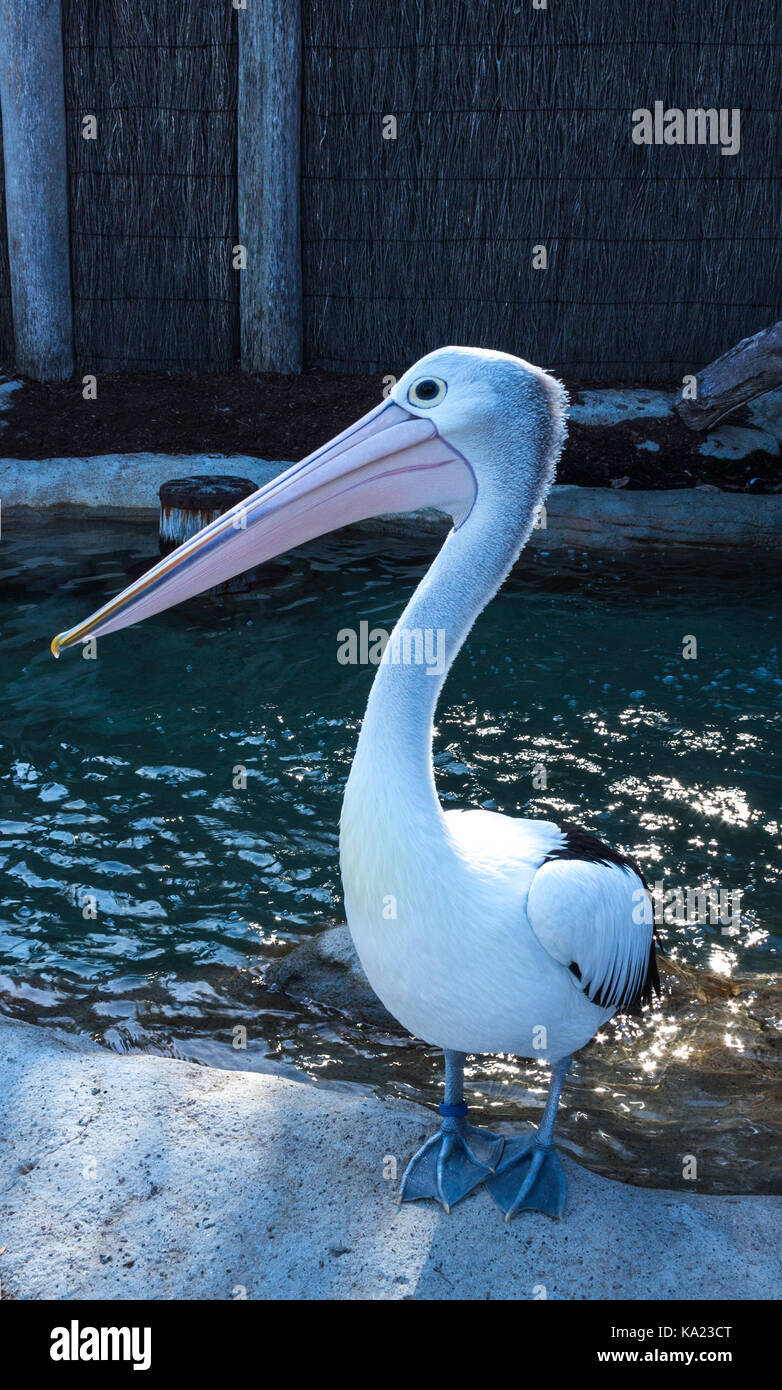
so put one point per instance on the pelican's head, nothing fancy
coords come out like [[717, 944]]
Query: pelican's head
[[504, 415], [463, 430]]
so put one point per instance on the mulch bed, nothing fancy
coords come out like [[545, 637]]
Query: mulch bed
[[286, 417]]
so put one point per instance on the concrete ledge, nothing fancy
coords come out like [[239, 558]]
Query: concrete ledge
[[126, 485], [145, 1177], [117, 485], [690, 518]]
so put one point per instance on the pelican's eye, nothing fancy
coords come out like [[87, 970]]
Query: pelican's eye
[[427, 391]]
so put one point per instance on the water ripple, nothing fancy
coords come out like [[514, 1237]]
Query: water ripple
[[170, 810]]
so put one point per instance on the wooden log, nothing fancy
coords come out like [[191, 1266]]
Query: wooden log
[[36, 187], [749, 369], [269, 161], [189, 504]]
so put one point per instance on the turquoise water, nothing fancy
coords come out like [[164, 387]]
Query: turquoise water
[[145, 887]]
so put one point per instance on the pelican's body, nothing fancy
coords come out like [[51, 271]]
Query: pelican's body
[[464, 930], [471, 881], [479, 932]]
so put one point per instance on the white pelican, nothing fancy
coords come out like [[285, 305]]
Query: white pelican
[[481, 933]]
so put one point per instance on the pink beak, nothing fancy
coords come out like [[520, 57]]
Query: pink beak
[[388, 461]]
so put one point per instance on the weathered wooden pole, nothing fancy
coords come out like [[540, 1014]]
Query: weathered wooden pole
[[189, 504], [36, 186], [269, 163]]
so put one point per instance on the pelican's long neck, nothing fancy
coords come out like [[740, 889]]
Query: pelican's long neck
[[392, 774]]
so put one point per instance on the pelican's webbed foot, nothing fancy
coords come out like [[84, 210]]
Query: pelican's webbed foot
[[450, 1164], [529, 1178]]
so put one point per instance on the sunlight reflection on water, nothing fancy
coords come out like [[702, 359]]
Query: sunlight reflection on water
[[144, 891]]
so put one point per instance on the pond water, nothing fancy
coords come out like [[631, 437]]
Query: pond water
[[145, 888]]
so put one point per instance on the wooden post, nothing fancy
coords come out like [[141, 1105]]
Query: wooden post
[[36, 186], [269, 159], [189, 504]]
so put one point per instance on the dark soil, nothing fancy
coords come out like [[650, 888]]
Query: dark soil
[[285, 417], [269, 417]]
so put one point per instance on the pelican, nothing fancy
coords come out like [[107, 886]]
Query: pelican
[[480, 932]]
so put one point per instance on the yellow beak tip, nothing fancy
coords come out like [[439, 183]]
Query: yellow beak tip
[[56, 645]]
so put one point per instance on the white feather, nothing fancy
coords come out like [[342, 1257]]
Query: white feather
[[596, 917]]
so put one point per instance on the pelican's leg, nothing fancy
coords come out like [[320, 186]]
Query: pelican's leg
[[459, 1157], [530, 1176]]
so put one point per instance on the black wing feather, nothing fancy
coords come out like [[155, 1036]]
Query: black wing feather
[[579, 844]]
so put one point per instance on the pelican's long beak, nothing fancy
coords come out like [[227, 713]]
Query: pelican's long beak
[[388, 461]]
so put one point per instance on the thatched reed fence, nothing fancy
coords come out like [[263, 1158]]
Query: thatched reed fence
[[513, 131], [153, 198]]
